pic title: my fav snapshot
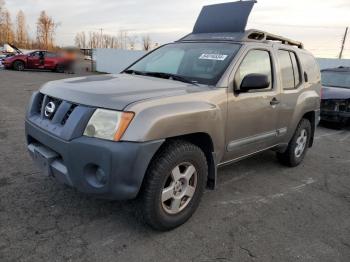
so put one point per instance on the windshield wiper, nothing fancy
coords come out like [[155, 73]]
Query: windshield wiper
[[134, 72], [162, 75], [171, 76]]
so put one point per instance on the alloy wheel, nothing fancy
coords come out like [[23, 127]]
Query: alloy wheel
[[179, 188], [301, 143]]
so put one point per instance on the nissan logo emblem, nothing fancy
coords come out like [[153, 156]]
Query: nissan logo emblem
[[50, 109]]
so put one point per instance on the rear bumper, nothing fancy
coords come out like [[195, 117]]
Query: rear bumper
[[335, 116], [109, 170]]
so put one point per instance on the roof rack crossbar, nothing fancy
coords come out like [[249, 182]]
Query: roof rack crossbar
[[254, 34]]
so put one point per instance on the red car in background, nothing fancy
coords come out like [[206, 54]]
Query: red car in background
[[42, 60]]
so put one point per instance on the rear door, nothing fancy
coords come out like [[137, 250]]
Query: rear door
[[252, 116], [50, 60], [291, 79]]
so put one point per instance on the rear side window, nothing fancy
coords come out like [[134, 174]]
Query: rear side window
[[296, 69], [286, 68], [255, 62], [290, 71], [51, 55]]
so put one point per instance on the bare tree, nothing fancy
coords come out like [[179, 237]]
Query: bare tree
[[2, 9], [146, 42], [2, 6], [131, 42], [8, 35], [21, 30], [94, 39], [99, 40], [46, 28], [80, 40]]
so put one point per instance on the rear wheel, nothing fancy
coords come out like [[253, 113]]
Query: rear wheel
[[18, 66], [60, 68], [298, 145], [173, 185]]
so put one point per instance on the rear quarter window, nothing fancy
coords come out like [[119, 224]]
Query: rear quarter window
[[310, 67]]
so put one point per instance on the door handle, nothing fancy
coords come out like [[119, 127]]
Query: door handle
[[274, 102]]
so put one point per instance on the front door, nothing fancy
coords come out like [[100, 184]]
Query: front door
[[253, 115], [33, 60]]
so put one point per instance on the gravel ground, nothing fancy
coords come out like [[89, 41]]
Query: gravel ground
[[261, 210]]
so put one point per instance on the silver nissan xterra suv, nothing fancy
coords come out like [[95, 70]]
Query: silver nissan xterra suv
[[159, 130]]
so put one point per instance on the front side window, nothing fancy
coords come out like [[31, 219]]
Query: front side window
[[255, 62], [35, 54], [336, 79], [202, 63]]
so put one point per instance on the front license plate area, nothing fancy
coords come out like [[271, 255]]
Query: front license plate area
[[43, 157], [42, 163]]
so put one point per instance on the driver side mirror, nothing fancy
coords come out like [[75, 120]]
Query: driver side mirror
[[254, 82]]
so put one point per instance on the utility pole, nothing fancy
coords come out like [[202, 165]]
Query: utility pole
[[343, 43], [101, 34]]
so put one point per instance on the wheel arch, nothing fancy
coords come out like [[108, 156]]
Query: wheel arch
[[19, 60], [205, 143], [312, 117]]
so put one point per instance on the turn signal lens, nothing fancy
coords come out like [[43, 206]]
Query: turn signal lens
[[123, 125]]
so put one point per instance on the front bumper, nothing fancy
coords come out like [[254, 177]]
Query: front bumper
[[335, 116], [6, 65], [107, 169]]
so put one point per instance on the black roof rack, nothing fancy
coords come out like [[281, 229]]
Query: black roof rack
[[259, 35], [251, 35]]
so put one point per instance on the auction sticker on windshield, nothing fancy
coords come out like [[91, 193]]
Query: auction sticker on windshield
[[213, 57]]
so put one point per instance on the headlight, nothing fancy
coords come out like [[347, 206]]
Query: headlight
[[108, 124]]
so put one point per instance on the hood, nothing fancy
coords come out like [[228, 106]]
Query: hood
[[335, 93], [16, 49], [13, 57], [116, 91]]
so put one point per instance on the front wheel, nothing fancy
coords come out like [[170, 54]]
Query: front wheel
[[298, 145], [173, 185], [18, 66]]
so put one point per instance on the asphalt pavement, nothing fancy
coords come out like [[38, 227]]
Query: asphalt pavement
[[261, 211]]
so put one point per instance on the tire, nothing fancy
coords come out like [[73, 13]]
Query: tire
[[159, 197], [18, 66], [59, 68], [298, 146]]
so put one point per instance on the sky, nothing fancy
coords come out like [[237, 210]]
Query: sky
[[320, 25]]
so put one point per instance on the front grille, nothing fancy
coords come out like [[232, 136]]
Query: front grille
[[67, 121], [40, 104], [328, 104], [52, 108], [67, 115], [336, 105]]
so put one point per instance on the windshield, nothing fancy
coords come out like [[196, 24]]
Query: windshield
[[202, 63], [336, 79]]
